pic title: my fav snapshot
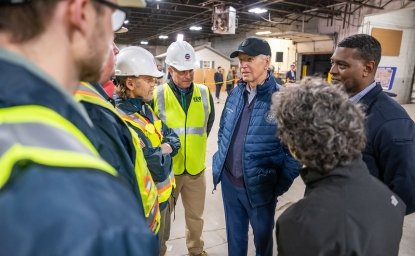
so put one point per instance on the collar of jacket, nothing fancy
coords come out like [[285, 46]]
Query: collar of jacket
[[371, 95], [269, 84], [356, 168], [100, 90], [129, 106], [176, 89]]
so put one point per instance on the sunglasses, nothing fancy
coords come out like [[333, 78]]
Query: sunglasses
[[118, 15]]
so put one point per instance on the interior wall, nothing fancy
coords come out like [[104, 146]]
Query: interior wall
[[403, 20]]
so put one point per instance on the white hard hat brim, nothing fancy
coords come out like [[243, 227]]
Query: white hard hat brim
[[184, 68], [132, 3], [157, 74]]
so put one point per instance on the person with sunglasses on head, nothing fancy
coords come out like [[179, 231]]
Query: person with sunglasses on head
[[57, 195], [188, 109]]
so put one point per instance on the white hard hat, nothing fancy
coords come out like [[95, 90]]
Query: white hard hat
[[181, 56], [136, 61]]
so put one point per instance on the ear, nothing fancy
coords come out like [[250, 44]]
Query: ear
[[129, 82], [268, 61], [369, 68], [77, 15], [170, 70]]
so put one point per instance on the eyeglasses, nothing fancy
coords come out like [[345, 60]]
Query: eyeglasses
[[118, 15], [182, 73]]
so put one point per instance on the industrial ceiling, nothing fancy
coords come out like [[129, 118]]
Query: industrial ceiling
[[169, 17]]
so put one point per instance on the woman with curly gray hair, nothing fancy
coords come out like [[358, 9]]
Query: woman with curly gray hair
[[345, 211]]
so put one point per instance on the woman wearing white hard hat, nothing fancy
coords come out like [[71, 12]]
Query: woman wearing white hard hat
[[136, 71]]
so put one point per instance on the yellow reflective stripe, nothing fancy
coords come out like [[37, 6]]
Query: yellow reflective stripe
[[87, 92], [31, 113], [47, 157]]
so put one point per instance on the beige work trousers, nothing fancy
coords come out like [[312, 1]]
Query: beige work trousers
[[192, 190]]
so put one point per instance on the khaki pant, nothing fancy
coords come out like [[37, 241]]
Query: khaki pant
[[193, 192]]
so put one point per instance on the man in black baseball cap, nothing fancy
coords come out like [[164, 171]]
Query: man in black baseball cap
[[252, 164], [253, 46]]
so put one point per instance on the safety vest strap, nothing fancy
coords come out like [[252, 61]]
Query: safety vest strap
[[165, 188], [152, 131], [86, 92], [46, 138], [205, 100], [161, 103]]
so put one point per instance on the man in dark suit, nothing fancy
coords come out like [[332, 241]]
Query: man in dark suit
[[291, 75], [390, 149]]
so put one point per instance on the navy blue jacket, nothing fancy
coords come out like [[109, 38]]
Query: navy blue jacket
[[63, 211], [390, 149], [158, 163], [218, 78], [269, 169]]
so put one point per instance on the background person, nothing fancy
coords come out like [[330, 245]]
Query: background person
[[252, 164], [390, 150], [230, 80], [188, 109], [345, 210], [291, 75], [218, 82]]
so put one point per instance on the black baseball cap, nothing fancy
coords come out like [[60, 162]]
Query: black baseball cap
[[253, 46]]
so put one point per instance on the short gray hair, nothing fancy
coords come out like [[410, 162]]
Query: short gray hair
[[319, 123]]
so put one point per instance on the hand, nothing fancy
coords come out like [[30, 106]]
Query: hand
[[166, 149]]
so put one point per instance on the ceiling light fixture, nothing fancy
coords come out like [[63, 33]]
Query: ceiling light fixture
[[179, 37], [196, 28], [257, 10], [144, 42], [126, 21], [260, 33], [163, 37]]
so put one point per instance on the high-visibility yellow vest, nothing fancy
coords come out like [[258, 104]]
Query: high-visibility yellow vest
[[155, 134], [146, 185], [45, 138], [191, 128]]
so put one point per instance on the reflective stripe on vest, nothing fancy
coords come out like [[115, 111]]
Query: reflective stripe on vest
[[152, 131], [146, 185], [44, 137], [165, 187], [191, 129]]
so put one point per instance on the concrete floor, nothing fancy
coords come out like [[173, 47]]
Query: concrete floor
[[214, 233]]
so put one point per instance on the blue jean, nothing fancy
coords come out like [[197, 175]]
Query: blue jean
[[239, 213]]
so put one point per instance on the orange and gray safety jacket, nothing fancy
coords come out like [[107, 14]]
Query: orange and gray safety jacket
[[146, 186]]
